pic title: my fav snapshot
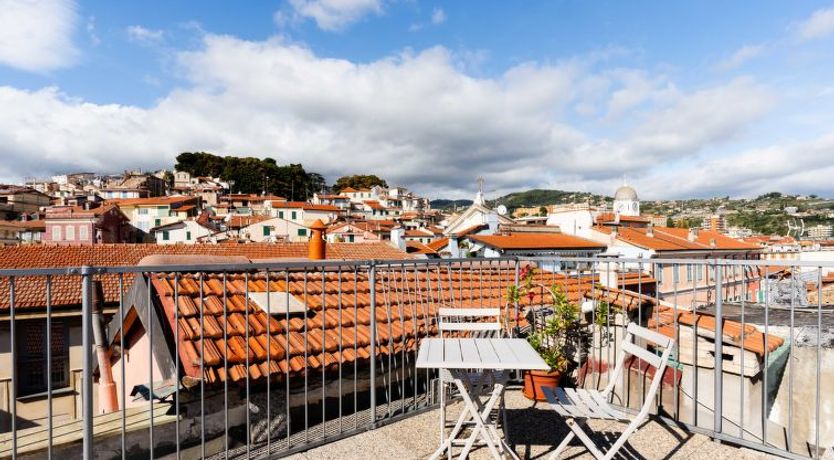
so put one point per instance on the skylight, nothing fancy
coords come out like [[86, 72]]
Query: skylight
[[279, 302]]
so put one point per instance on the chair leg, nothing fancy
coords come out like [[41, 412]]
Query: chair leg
[[443, 415], [562, 445], [589, 444]]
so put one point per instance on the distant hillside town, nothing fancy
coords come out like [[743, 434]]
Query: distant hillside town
[[178, 207]]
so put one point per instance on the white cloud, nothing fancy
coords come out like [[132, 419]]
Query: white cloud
[[819, 25], [414, 118], [37, 35], [798, 167], [740, 56], [333, 15], [139, 34], [438, 16]]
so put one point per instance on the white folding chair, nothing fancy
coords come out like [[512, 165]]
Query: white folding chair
[[579, 405], [470, 322]]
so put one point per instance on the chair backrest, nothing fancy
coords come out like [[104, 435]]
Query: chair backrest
[[474, 321], [659, 362]]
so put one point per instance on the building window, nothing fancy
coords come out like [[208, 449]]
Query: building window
[[350, 238], [165, 235], [83, 234], [188, 236], [56, 233], [157, 222], [302, 232], [142, 211], [293, 215], [281, 214], [658, 273], [32, 365], [70, 229], [676, 272], [689, 276], [266, 230]]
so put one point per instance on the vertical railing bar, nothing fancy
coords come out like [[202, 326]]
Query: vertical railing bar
[[226, 366], [288, 355], [87, 364], [694, 309], [176, 363], [269, 364], [792, 336], [819, 365], [403, 359], [677, 333], [123, 364], [323, 353], [149, 301], [425, 321], [391, 355], [414, 320], [719, 350], [306, 367], [203, 367], [766, 355], [341, 359], [356, 346], [372, 287], [12, 347], [48, 365], [741, 363]]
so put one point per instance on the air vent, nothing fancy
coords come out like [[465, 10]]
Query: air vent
[[279, 302]]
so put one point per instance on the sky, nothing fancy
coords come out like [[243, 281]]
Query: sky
[[679, 99]]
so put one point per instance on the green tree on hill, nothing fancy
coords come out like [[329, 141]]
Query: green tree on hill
[[358, 181], [253, 175]]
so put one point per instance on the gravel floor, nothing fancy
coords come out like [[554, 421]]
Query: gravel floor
[[534, 431]]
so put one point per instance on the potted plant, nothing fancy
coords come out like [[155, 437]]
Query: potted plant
[[557, 336]]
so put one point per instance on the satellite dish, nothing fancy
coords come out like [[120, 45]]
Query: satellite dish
[[501, 210]]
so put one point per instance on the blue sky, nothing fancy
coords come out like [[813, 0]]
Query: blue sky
[[695, 99]]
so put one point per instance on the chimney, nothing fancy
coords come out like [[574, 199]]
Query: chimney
[[316, 247], [650, 230], [398, 237], [693, 234], [492, 222], [107, 399]]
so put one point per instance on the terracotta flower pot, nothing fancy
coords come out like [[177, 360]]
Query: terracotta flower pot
[[535, 380]]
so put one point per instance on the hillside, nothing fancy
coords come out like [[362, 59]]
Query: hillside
[[544, 197]]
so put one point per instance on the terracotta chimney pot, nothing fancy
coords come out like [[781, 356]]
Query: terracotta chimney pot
[[317, 247]]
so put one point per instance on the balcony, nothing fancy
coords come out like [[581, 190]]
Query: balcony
[[230, 358]]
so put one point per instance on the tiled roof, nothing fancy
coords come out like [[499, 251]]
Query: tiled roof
[[676, 239], [306, 206], [415, 247], [66, 290], [38, 224], [469, 230], [337, 323], [439, 244], [611, 217], [154, 201], [749, 337], [236, 222], [543, 241], [70, 212]]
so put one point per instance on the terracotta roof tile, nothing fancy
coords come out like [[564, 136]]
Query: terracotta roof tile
[[536, 241], [66, 290]]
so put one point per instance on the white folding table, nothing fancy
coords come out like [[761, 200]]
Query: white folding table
[[462, 355]]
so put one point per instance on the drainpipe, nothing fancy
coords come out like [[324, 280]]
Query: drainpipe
[[107, 399]]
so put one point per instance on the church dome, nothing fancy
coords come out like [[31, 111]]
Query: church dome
[[626, 193]]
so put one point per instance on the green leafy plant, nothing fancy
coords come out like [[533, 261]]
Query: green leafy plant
[[559, 335]]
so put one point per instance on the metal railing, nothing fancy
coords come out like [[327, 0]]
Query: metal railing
[[267, 359]]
